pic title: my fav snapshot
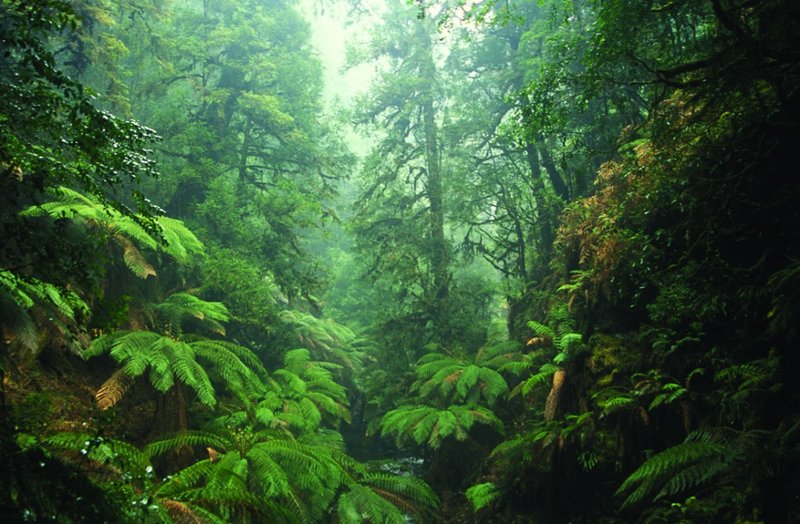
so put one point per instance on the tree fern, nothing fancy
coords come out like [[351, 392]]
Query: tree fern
[[269, 465], [431, 425], [175, 239], [325, 338], [458, 379], [178, 307], [303, 394], [168, 360]]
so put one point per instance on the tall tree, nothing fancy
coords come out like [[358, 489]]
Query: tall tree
[[402, 207]]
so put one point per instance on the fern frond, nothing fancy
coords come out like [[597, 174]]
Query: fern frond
[[541, 330], [542, 376], [410, 494], [135, 261], [180, 306], [181, 479], [113, 389], [566, 341], [181, 513], [663, 471], [669, 394], [174, 441], [100, 449], [428, 424], [180, 241], [481, 495], [27, 292], [360, 504], [19, 329]]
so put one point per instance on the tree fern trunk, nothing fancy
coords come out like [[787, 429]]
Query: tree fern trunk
[[170, 417]]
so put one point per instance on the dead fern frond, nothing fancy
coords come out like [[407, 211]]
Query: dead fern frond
[[180, 513], [134, 259], [551, 405], [113, 390]]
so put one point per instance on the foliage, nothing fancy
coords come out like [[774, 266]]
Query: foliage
[[172, 358], [482, 495], [171, 236], [287, 479], [458, 380], [431, 425], [52, 133]]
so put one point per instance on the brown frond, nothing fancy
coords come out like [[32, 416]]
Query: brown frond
[[135, 260], [537, 341], [453, 377], [396, 500], [181, 513], [113, 390], [644, 416], [551, 405]]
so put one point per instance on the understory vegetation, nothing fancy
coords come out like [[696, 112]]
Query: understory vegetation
[[541, 266]]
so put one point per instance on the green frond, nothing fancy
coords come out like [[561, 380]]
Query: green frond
[[481, 495], [101, 449], [670, 393], [499, 354], [296, 359], [411, 494], [359, 504], [465, 381], [328, 439], [101, 345], [178, 307], [515, 449], [181, 479], [431, 425], [491, 384], [181, 243], [540, 329], [170, 442], [325, 338], [671, 470], [516, 368], [27, 292], [566, 341], [124, 228], [446, 425], [543, 376], [613, 404], [293, 386], [238, 366], [272, 479]]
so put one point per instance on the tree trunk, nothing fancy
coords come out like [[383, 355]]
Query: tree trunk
[[559, 186], [438, 244]]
